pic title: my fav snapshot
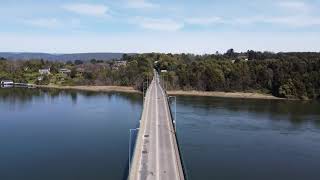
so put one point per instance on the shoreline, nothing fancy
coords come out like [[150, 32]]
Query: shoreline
[[129, 89], [238, 95], [126, 89]]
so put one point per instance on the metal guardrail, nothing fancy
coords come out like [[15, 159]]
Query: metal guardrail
[[178, 144], [135, 132]]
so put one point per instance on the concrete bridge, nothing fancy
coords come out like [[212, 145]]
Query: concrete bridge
[[156, 155]]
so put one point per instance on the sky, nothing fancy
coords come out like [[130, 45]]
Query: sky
[[168, 26]]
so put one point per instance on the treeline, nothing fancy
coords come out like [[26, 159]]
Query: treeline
[[288, 75]]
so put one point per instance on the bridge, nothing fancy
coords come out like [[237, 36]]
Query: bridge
[[156, 154]]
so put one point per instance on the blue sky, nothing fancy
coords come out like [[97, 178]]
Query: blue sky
[[191, 26]]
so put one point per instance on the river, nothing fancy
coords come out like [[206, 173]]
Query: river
[[65, 135]]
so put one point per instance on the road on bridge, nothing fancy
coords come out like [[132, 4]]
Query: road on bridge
[[156, 156]]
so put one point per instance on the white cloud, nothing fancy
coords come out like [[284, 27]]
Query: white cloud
[[53, 23], [295, 5], [88, 9], [204, 20], [158, 24], [298, 21], [140, 4], [45, 22], [292, 21]]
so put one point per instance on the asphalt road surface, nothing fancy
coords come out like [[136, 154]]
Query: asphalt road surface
[[156, 156]]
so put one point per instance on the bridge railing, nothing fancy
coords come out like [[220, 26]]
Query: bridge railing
[[134, 133], [183, 164]]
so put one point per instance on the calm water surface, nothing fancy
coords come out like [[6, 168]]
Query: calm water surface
[[60, 135], [70, 135], [232, 139]]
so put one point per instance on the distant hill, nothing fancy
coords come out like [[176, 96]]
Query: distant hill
[[61, 57]]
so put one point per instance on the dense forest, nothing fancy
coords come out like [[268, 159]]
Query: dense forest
[[288, 75]]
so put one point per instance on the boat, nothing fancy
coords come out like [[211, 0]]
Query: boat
[[7, 82]]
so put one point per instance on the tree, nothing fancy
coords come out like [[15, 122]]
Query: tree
[[73, 73], [251, 55], [125, 57], [78, 62], [93, 61], [230, 53], [69, 63]]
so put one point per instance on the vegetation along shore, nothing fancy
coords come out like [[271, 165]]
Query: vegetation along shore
[[126, 89], [294, 75], [129, 89], [243, 95]]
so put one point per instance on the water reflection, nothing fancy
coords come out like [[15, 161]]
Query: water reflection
[[65, 134], [22, 98], [296, 112], [249, 139]]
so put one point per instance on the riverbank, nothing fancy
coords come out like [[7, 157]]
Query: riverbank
[[224, 94], [129, 89], [126, 89]]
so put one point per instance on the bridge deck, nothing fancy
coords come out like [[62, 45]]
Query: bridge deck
[[156, 155]]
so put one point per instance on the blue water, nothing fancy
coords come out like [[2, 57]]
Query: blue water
[[65, 135], [72, 135], [234, 139]]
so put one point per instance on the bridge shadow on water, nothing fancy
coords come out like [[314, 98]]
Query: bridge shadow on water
[[126, 171], [132, 142]]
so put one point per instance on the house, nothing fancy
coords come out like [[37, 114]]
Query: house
[[243, 57], [6, 82], [118, 64], [80, 70], [64, 71], [121, 63], [44, 71]]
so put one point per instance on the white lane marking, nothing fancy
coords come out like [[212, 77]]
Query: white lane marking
[[157, 135], [170, 135], [144, 132]]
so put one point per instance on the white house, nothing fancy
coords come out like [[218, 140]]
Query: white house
[[6, 82], [44, 71], [64, 71], [117, 64]]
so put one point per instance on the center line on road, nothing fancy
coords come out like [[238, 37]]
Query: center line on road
[[145, 120], [157, 134]]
